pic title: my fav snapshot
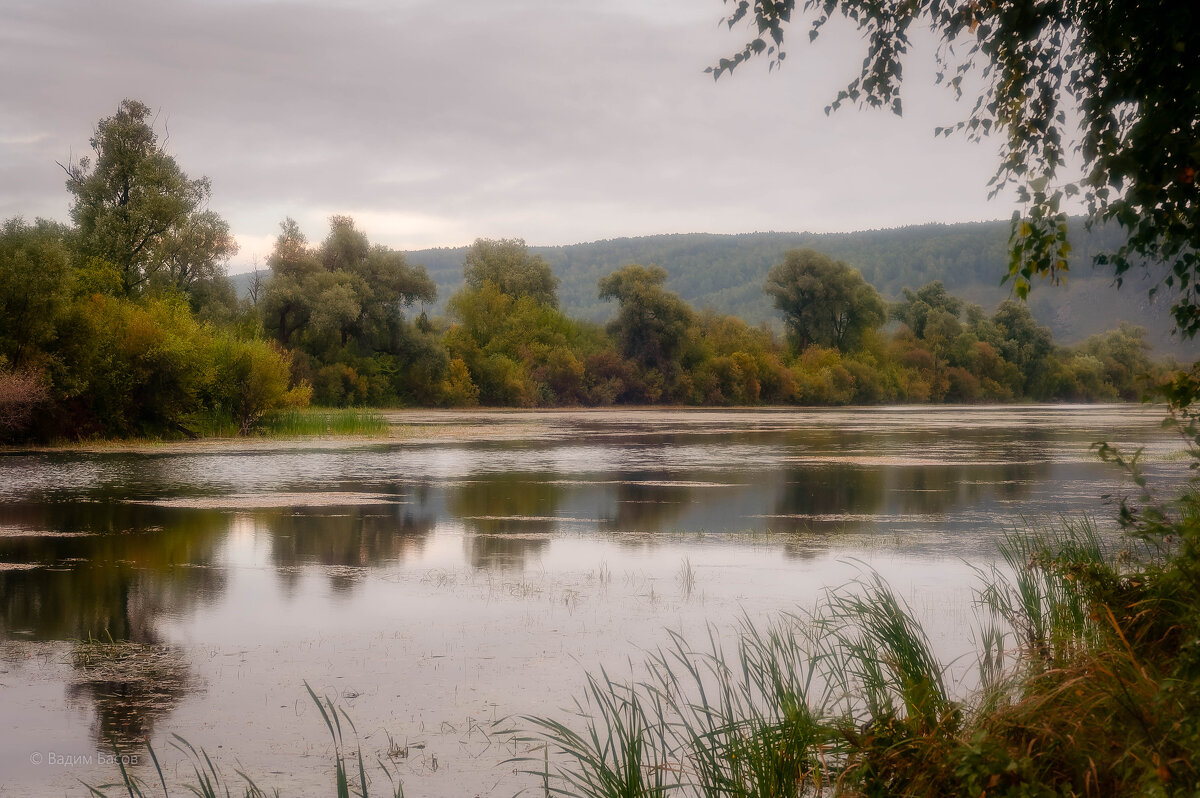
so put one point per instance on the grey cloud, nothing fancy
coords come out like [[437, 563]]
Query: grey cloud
[[559, 121]]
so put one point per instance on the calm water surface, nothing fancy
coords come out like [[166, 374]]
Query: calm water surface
[[475, 564]]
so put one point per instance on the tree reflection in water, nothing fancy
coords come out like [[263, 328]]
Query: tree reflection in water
[[343, 539], [130, 685], [109, 572], [508, 517]]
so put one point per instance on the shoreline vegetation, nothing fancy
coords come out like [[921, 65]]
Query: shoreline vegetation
[[302, 423], [107, 331], [369, 425]]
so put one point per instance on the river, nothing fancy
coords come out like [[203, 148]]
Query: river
[[472, 566]]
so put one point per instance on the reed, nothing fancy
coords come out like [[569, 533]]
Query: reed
[[209, 781], [1090, 685], [317, 421]]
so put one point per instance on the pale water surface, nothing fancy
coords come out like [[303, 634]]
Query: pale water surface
[[474, 565]]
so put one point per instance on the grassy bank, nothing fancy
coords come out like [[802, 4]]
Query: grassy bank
[[323, 421], [288, 423]]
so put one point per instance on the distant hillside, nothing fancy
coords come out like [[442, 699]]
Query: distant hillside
[[726, 273]]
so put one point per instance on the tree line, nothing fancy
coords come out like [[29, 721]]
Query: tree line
[[124, 323], [727, 272]]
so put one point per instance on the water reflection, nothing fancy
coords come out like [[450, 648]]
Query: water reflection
[[111, 565], [506, 502], [507, 516], [130, 687], [854, 497], [343, 540], [811, 495], [106, 570], [122, 556], [643, 505]]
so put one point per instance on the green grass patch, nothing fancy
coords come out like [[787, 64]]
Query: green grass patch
[[316, 421]]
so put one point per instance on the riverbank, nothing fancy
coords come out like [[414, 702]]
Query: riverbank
[[331, 427]]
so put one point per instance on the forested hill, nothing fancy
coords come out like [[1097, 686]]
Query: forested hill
[[726, 273]]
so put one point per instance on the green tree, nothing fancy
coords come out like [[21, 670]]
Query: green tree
[[1111, 83], [196, 250], [652, 323], [918, 305], [251, 378], [138, 367], [287, 299], [510, 266], [1024, 343], [136, 209], [823, 301], [1123, 355], [518, 351], [345, 289], [382, 283], [35, 277], [735, 363], [341, 305]]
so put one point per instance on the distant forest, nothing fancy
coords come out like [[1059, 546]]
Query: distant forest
[[726, 273]]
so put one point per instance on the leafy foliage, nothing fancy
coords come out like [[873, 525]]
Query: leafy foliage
[[727, 272], [125, 325], [824, 302], [517, 348], [1110, 82], [137, 210], [652, 323], [340, 307], [109, 327], [511, 267]]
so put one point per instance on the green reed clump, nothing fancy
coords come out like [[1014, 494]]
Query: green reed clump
[[745, 718], [323, 421], [207, 779], [620, 753], [292, 422], [769, 713], [1047, 613]]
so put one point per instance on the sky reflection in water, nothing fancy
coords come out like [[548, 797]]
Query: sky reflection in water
[[474, 569]]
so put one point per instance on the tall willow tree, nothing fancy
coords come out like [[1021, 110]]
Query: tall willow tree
[[652, 323], [138, 212]]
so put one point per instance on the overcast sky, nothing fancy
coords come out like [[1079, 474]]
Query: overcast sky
[[434, 123]]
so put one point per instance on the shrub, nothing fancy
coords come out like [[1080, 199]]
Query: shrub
[[21, 393]]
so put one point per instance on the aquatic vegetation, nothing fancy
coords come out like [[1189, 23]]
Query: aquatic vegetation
[[208, 780], [323, 421], [1089, 685], [686, 578]]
